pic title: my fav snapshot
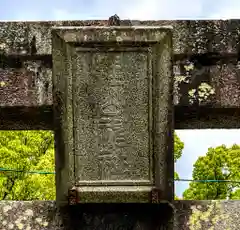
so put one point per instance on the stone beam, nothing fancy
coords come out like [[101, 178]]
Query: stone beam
[[220, 215], [190, 36], [26, 75]]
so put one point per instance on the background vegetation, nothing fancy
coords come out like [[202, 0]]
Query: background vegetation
[[27, 151], [33, 151]]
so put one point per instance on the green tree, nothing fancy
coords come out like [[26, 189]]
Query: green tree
[[34, 151], [178, 147], [220, 163], [27, 151]]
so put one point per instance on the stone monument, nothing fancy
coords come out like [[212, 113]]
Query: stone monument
[[112, 90]]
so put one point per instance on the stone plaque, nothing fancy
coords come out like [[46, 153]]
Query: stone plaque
[[112, 89]]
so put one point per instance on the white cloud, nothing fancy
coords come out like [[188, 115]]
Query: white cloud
[[228, 13], [142, 10], [61, 14], [227, 10], [154, 10], [161, 9], [133, 9], [136, 9]]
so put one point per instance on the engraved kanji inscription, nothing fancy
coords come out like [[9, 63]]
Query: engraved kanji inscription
[[117, 115], [111, 158]]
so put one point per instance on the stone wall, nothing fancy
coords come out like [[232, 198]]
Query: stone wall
[[206, 71], [189, 215], [26, 65]]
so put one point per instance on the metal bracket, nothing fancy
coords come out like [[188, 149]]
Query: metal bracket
[[155, 196], [72, 196]]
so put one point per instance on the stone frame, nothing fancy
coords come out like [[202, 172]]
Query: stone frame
[[159, 39]]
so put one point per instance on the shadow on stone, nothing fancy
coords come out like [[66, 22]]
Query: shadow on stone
[[117, 216]]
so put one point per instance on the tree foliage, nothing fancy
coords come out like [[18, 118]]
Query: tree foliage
[[34, 151], [220, 163], [27, 151], [178, 147]]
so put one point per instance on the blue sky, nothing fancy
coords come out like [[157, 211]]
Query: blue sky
[[196, 141], [131, 9]]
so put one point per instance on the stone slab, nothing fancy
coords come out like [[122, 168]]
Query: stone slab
[[112, 93], [45, 215]]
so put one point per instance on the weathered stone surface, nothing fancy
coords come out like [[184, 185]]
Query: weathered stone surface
[[29, 86], [206, 118], [112, 88], [27, 81], [189, 215], [29, 215], [45, 215], [189, 36], [210, 83], [200, 215]]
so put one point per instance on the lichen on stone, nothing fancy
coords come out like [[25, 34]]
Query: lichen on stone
[[212, 217], [204, 92], [189, 67], [2, 84]]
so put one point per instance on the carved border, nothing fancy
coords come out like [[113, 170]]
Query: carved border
[[152, 37], [125, 47]]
